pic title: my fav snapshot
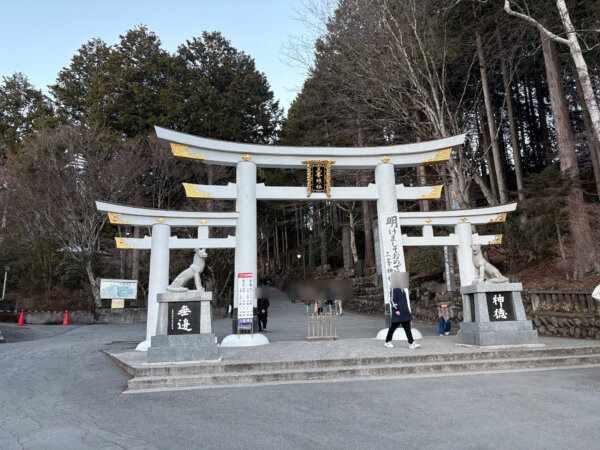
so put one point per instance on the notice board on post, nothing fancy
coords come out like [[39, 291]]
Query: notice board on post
[[125, 289], [245, 300]]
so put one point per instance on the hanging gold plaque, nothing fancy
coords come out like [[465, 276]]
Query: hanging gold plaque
[[318, 176]]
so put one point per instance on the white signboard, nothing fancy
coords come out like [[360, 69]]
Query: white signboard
[[245, 300], [393, 251], [126, 289]]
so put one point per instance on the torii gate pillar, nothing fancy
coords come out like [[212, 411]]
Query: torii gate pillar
[[245, 205], [159, 277], [464, 253], [245, 251], [385, 178]]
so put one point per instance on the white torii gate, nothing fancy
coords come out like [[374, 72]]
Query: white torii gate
[[161, 241], [462, 238], [247, 157]]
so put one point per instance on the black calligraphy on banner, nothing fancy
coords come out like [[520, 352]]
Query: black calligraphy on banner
[[393, 259]]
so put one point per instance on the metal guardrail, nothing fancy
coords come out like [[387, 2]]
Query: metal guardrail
[[321, 326]]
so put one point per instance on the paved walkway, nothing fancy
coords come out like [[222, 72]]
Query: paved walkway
[[287, 322], [59, 391]]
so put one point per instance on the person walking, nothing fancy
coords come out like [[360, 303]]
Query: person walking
[[400, 311], [262, 305]]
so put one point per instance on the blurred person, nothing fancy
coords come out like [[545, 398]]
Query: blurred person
[[262, 306], [401, 314], [444, 318]]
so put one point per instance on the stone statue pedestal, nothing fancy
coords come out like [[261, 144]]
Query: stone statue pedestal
[[493, 314], [184, 328]]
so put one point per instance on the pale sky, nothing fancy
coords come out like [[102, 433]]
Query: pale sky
[[39, 37]]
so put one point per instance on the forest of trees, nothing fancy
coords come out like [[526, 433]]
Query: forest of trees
[[93, 139], [520, 78], [509, 74]]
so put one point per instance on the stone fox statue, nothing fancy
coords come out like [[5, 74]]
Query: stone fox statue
[[194, 271], [485, 270]]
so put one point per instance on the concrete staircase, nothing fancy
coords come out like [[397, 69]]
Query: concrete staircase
[[229, 374]]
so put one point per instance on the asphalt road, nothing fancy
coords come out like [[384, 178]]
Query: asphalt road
[[61, 392]]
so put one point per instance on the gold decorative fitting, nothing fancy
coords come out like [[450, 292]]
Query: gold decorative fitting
[[436, 192], [499, 218], [428, 220], [497, 240], [246, 157], [318, 176], [385, 159], [122, 244], [203, 221], [115, 219], [439, 157], [463, 219], [192, 192], [183, 152], [160, 220]]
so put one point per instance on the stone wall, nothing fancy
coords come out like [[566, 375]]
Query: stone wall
[[423, 302], [576, 325], [368, 299], [368, 296], [86, 317]]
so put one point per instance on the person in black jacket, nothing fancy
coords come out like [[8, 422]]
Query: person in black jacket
[[400, 311], [262, 306]]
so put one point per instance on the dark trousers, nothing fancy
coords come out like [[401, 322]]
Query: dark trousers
[[405, 325], [262, 323]]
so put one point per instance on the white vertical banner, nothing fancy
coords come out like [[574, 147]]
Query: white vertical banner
[[390, 234], [245, 297]]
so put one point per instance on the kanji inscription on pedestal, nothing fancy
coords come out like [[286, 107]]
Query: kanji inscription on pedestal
[[500, 306], [184, 318]]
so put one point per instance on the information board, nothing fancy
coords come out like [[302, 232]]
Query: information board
[[245, 300], [126, 289]]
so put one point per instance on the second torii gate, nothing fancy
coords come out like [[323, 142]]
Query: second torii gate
[[463, 236], [161, 242]]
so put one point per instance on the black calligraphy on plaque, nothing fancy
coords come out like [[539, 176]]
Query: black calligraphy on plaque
[[500, 306], [319, 173], [184, 318], [318, 176]]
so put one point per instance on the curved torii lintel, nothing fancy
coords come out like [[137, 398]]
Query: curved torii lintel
[[477, 216], [213, 151], [133, 216]]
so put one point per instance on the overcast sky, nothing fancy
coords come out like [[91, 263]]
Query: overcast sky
[[39, 37]]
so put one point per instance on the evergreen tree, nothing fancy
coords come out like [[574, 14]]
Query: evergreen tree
[[23, 110]]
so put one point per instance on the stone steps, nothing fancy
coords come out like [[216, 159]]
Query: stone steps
[[188, 376]]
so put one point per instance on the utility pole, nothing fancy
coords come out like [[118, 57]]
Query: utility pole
[[6, 270]]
